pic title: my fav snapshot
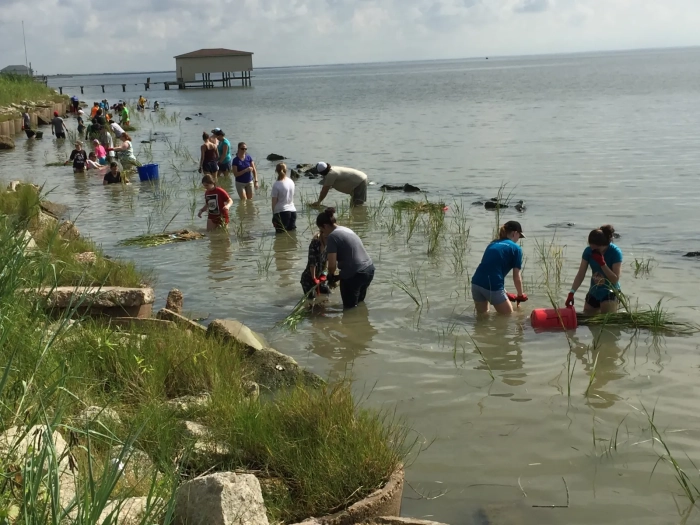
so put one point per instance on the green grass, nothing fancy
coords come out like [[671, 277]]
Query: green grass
[[14, 89], [418, 206], [320, 450], [653, 318]]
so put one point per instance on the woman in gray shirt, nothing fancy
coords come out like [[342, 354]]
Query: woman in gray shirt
[[347, 253]]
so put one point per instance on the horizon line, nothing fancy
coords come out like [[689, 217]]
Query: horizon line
[[485, 57]]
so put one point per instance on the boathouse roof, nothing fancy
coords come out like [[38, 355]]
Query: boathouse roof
[[217, 52]]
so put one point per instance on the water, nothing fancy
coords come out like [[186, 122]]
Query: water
[[587, 139]]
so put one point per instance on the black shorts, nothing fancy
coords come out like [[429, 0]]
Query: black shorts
[[285, 221], [61, 135], [354, 289], [29, 133], [211, 166], [595, 303]]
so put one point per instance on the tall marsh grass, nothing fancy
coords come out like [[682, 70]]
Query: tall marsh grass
[[18, 88]]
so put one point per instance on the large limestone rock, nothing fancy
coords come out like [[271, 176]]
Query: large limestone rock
[[183, 405], [6, 142], [68, 231], [271, 368], [224, 498], [107, 296], [175, 301], [130, 511], [19, 444]]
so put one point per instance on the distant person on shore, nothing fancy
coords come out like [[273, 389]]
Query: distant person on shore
[[224, 148], [74, 104], [79, 158], [156, 106], [347, 253], [245, 172], [216, 202], [313, 278], [100, 152], [58, 127], [345, 180], [93, 111], [284, 213], [501, 256], [125, 152], [27, 124], [605, 260], [208, 157], [113, 176], [117, 129]]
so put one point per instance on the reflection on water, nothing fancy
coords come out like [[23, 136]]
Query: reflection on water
[[500, 354], [220, 258], [341, 336]]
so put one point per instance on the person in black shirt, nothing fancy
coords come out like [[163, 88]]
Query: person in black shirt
[[79, 157], [113, 176]]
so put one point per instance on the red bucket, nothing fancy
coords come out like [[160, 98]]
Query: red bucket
[[554, 318]]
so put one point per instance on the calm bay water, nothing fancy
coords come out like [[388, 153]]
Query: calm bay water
[[583, 139]]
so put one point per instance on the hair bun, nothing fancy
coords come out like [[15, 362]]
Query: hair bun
[[608, 230], [330, 211]]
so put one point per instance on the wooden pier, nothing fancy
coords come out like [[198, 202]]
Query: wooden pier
[[228, 80]]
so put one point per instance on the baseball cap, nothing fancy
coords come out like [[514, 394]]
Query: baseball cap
[[321, 166], [216, 131], [514, 226], [95, 141], [55, 113]]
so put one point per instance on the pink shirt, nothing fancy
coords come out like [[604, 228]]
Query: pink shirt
[[100, 151]]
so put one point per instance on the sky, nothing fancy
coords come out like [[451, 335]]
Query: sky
[[92, 36]]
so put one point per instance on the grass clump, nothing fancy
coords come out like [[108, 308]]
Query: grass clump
[[158, 239], [17, 88], [418, 206], [653, 318]]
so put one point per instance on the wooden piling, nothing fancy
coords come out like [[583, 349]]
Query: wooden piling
[[81, 90], [124, 88]]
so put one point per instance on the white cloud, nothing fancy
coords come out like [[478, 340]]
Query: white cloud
[[73, 36]]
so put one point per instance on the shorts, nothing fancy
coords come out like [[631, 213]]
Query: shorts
[[102, 161], [483, 295], [29, 133], [595, 303], [219, 220], [359, 194], [61, 135], [284, 221], [225, 166], [244, 186], [354, 289], [210, 167]]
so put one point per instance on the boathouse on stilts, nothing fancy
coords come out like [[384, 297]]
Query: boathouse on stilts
[[207, 67]]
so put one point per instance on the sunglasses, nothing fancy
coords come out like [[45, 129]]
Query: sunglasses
[[242, 149]]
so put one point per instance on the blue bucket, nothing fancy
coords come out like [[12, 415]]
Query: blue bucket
[[148, 172]]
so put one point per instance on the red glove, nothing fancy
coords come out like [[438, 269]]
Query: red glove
[[598, 257], [322, 279], [521, 298], [512, 297], [317, 281], [569, 299]]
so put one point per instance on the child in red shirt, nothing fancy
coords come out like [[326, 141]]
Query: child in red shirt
[[216, 202]]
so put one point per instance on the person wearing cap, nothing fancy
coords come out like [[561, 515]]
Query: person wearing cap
[[224, 149], [79, 157], [345, 180], [500, 257], [245, 172], [75, 103], [58, 127]]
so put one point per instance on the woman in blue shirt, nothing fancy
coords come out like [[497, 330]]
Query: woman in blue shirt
[[245, 172], [605, 260], [500, 257]]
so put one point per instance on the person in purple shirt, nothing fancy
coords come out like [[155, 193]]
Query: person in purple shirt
[[245, 173]]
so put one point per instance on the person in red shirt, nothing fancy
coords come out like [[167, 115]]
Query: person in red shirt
[[216, 202]]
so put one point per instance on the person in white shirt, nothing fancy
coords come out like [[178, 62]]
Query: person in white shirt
[[118, 130], [345, 180], [284, 214]]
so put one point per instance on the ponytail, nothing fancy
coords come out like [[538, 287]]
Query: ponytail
[[281, 170], [502, 233], [326, 217], [602, 236]]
